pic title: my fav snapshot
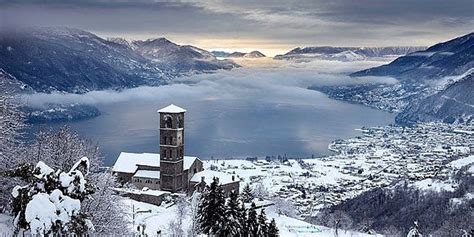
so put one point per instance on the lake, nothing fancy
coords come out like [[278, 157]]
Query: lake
[[236, 114]]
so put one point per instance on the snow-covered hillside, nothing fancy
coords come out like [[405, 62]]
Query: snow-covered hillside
[[346, 53]]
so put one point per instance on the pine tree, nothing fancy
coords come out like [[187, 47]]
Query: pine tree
[[252, 221], [243, 221], [212, 210], [262, 224], [247, 195], [233, 214], [272, 229]]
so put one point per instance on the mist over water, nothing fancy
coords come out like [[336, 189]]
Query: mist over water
[[252, 111]]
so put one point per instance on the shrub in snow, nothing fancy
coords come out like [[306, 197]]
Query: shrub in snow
[[51, 202]]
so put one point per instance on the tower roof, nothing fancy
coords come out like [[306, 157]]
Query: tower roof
[[172, 109]]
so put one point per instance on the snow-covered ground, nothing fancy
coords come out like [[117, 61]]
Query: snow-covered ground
[[158, 218], [6, 225]]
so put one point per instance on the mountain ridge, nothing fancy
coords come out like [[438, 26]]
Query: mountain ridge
[[452, 57], [236, 54], [72, 60], [345, 53]]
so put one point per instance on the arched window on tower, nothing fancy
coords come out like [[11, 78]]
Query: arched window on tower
[[168, 121]]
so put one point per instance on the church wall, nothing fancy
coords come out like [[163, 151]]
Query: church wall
[[123, 177], [146, 182]]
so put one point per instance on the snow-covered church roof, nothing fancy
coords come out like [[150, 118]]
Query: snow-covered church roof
[[210, 174], [172, 109], [128, 162]]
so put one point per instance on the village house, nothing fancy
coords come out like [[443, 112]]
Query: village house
[[170, 170]]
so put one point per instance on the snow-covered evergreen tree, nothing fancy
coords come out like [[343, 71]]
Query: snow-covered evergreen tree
[[247, 195], [252, 221], [51, 201], [233, 214], [262, 224], [272, 229], [58, 149], [212, 210], [243, 221]]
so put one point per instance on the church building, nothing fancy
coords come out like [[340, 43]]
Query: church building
[[170, 170]]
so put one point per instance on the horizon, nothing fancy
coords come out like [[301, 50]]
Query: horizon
[[269, 27], [232, 50]]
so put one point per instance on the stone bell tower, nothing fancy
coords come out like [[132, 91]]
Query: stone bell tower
[[171, 148]]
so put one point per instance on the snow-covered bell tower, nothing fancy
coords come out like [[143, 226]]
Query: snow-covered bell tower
[[171, 148]]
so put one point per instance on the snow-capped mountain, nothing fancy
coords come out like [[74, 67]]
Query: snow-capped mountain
[[253, 54], [345, 53], [72, 60], [453, 57], [179, 58], [455, 103]]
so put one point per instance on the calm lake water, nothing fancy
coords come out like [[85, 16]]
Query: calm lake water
[[233, 115]]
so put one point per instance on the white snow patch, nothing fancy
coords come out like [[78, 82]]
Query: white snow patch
[[435, 185], [44, 210], [462, 162]]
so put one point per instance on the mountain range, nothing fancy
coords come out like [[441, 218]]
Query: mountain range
[[424, 71], [345, 53], [77, 61], [453, 57], [252, 54]]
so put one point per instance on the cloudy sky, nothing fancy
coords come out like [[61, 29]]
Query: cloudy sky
[[270, 26]]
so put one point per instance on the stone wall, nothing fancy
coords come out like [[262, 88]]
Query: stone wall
[[152, 199], [146, 182]]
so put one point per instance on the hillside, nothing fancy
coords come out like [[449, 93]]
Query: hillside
[[455, 103], [179, 59], [72, 60], [345, 53], [453, 57]]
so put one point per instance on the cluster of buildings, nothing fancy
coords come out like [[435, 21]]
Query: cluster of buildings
[[380, 157]]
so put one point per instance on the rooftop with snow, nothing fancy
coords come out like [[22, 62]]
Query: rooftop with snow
[[173, 109]]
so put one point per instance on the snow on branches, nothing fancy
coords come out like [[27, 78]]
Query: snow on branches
[[51, 202]]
